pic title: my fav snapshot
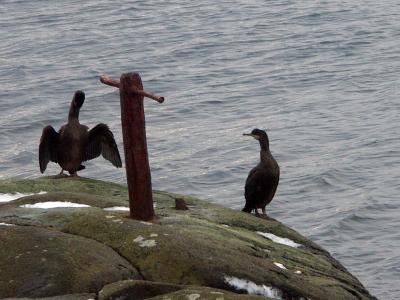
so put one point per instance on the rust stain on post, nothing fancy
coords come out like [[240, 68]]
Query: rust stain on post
[[135, 147], [134, 89]]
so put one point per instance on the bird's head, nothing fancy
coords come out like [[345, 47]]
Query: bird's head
[[261, 136], [79, 98], [258, 134]]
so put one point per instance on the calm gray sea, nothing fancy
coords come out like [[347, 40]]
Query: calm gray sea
[[322, 77]]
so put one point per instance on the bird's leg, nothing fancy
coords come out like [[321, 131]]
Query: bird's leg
[[256, 212], [264, 214], [60, 175], [74, 174]]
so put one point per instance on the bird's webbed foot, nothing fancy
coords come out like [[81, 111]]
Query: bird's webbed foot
[[60, 175], [264, 214]]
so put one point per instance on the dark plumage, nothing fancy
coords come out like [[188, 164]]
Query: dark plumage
[[263, 179], [74, 143]]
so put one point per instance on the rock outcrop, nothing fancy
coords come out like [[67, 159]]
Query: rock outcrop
[[206, 252]]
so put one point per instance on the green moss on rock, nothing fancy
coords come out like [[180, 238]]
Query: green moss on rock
[[140, 289], [202, 246], [85, 296], [38, 262], [136, 290]]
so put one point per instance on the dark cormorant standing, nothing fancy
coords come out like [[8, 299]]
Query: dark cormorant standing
[[74, 143], [263, 179]]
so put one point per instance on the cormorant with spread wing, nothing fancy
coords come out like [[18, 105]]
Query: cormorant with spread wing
[[263, 179], [75, 143]]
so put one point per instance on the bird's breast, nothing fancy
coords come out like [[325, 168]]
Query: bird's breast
[[71, 148]]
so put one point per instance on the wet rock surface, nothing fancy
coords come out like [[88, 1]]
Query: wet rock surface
[[38, 262], [208, 247]]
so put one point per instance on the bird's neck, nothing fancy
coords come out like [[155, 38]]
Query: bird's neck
[[265, 154], [264, 144], [73, 115]]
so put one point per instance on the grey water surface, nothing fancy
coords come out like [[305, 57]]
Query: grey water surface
[[322, 77]]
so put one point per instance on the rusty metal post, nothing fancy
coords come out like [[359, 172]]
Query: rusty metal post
[[135, 147]]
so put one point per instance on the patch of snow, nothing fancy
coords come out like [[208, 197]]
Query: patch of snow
[[279, 240], [193, 296], [154, 235], [253, 288], [144, 243], [216, 293], [279, 265], [122, 208], [148, 243], [110, 217], [297, 272], [54, 204], [6, 224], [146, 223], [225, 225], [15, 196], [138, 239]]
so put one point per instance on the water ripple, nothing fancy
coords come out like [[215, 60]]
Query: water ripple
[[322, 78]]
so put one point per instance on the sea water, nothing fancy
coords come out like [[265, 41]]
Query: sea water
[[322, 77]]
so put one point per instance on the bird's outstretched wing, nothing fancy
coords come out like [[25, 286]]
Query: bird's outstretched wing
[[101, 141], [48, 147]]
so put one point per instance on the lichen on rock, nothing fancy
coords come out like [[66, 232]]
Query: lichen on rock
[[195, 250]]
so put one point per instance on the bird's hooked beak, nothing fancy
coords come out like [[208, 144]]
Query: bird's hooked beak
[[253, 135]]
